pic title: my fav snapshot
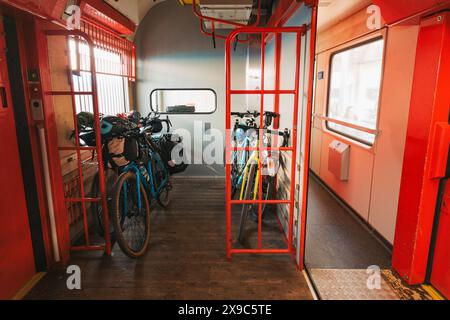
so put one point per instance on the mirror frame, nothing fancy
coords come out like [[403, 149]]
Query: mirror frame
[[184, 89]]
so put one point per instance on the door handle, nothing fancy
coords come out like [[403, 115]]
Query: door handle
[[3, 97], [439, 155]]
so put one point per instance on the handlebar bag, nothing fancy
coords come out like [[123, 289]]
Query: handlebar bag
[[167, 145], [122, 151]]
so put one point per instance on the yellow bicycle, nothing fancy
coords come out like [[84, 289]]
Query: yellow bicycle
[[251, 179]]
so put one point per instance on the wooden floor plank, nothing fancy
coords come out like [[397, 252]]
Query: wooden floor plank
[[186, 259]]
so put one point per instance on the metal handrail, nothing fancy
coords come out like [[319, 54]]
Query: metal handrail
[[348, 125]]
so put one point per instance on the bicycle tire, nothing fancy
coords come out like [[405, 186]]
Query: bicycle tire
[[119, 225], [96, 207], [164, 197], [247, 196]]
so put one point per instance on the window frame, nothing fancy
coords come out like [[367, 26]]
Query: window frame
[[344, 48], [184, 89]]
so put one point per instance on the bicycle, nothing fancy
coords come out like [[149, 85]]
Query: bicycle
[[139, 182], [133, 189], [250, 177]]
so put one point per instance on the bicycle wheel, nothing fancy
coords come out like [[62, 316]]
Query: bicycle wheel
[[268, 189], [131, 224], [159, 175], [164, 197], [96, 207], [248, 195]]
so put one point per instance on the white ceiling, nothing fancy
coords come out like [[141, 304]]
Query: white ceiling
[[330, 11], [135, 10], [333, 11]]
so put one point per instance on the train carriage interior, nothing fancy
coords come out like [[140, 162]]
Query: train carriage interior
[[224, 149]]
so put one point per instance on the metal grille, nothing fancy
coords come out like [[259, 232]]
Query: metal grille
[[115, 64]]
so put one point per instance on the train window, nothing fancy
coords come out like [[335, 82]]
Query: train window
[[354, 90], [183, 101], [112, 86]]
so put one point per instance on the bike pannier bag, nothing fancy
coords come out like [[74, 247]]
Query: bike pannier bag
[[167, 144], [123, 150]]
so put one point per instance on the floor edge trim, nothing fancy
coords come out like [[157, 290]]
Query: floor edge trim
[[310, 285], [28, 286]]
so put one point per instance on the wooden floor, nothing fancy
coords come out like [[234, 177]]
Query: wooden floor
[[186, 259]]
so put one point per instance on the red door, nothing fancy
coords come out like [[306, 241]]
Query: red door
[[16, 252], [440, 276]]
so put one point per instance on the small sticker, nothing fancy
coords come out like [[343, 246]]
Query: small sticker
[[321, 75]]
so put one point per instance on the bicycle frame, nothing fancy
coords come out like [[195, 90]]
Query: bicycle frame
[[254, 159], [149, 186], [242, 162]]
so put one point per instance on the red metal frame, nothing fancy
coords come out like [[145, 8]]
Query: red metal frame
[[426, 149], [395, 11], [105, 14], [308, 124], [104, 38], [83, 200], [299, 32]]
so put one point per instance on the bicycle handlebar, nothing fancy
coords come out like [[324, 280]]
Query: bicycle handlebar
[[255, 114], [286, 134]]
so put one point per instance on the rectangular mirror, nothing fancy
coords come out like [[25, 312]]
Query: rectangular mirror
[[183, 101]]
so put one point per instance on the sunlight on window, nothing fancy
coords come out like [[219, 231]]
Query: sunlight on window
[[112, 87], [355, 89]]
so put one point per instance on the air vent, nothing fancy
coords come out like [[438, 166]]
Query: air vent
[[238, 11]]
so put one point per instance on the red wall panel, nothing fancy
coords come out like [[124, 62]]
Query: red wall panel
[[393, 11], [419, 186], [16, 252]]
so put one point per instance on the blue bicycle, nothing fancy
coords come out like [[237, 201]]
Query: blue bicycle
[[143, 180]]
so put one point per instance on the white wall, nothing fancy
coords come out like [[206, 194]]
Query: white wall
[[372, 189], [172, 53]]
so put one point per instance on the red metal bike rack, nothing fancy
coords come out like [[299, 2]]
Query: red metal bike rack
[[264, 32], [83, 200]]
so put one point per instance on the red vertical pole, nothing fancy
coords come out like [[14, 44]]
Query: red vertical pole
[[98, 139], [306, 151], [295, 141], [278, 46], [228, 143], [41, 62], [79, 160], [261, 135]]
